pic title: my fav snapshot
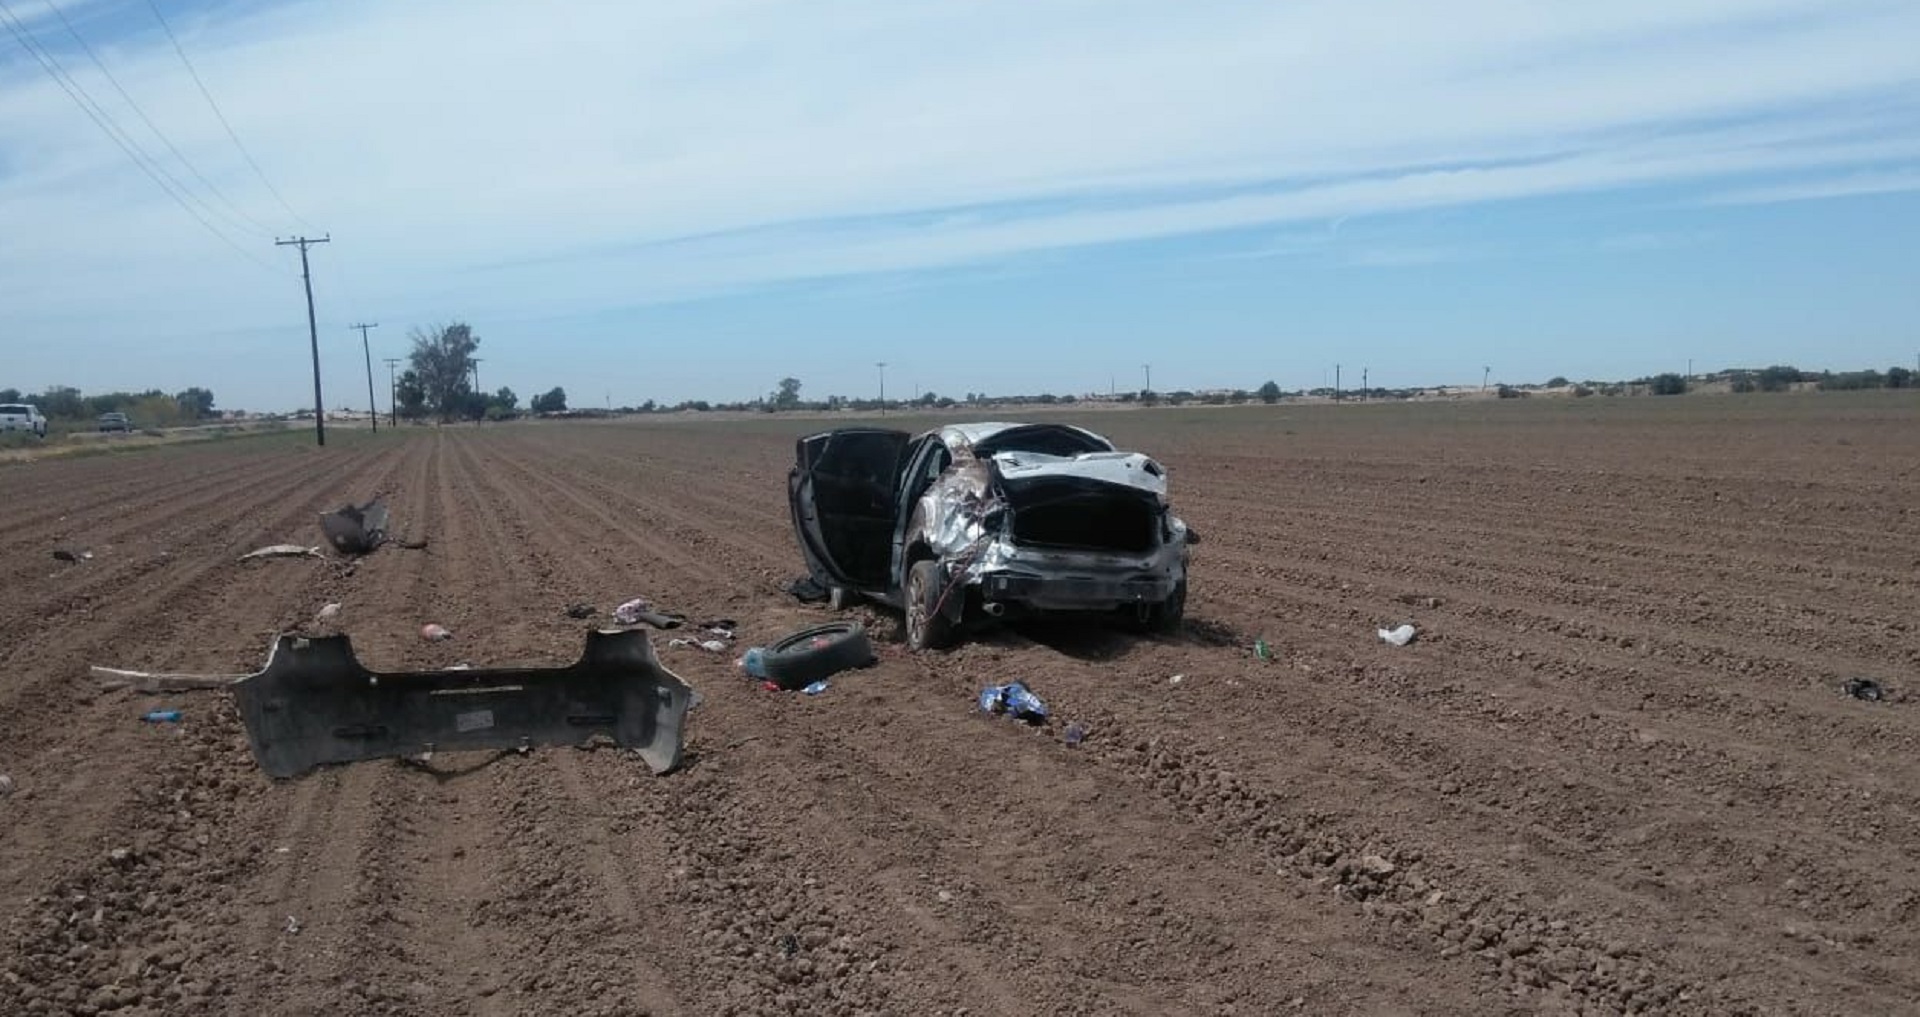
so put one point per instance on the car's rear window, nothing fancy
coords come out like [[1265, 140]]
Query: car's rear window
[[16, 409], [1044, 439]]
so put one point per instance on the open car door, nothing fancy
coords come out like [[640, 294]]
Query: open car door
[[843, 494]]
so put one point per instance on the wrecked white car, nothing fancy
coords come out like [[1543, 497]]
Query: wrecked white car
[[977, 521]]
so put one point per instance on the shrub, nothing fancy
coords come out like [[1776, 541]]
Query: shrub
[[1779, 378], [1581, 391], [1668, 384], [1558, 381], [1851, 381]]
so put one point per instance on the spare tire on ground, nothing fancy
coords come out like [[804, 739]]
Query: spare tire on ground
[[806, 656]]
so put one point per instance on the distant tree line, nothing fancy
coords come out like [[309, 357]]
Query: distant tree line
[[152, 408]]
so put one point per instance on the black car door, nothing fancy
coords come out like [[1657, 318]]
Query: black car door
[[843, 491]]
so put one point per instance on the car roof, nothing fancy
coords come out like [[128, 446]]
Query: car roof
[[970, 434]]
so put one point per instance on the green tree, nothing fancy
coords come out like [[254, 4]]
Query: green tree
[[442, 358], [1897, 377], [63, 401], [787, 395], [412, 396], [1668, 384], [1270, 393], [11, 395], [196, 403], [1778, 378], [553, 401], [1558, 381]]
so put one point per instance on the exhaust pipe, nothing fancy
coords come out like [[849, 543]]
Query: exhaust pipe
[[994, 608]]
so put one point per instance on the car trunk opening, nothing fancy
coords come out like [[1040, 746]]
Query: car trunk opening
[[1078, 514]]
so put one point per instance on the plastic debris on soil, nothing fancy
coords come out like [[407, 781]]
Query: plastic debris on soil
[[806, 590], [1014, 700], [1399, 636], [1865, 689], [356, 529], [283, 551]]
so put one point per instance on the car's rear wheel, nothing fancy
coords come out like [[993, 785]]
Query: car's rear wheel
[[1167, 617], [927, 627]]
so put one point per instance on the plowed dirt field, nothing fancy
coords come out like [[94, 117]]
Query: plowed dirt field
[[1614, 774]]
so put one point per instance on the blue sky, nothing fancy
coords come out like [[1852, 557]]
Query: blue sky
[[667, 201]]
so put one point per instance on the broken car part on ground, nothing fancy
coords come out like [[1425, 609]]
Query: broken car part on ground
[[363, 529], [315, 704], [978, 521], [802, 658]]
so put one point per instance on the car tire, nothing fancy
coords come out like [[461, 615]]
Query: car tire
[[1167, 617], [806, 656], [927, 627]]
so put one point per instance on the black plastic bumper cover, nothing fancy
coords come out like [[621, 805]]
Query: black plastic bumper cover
[[1074, 593], [315, 704]]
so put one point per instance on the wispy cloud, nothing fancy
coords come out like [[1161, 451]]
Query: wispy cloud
[[1850, 186], [1641, 243]]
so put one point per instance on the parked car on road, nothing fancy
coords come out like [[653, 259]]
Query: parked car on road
[[22, 417], [115, 422], [971, 522]]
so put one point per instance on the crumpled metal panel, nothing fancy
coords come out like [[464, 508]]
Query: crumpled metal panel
[[315, 704], [953, 513], [1122, 469]]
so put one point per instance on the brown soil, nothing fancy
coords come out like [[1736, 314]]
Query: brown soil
[[1614, 774]]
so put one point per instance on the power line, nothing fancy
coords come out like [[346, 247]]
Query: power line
[[222, 117], [100, 119], [256, 227]]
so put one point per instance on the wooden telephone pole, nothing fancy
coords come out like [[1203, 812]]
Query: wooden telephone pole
[[313, 333], [373, 408]]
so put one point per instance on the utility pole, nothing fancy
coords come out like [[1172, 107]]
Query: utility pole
[[1364, 388], [393, 391], [1336, 383], [1147, 371], [1486, 375], [373, 408], [882, 365], [476, 375], [313, 333]]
